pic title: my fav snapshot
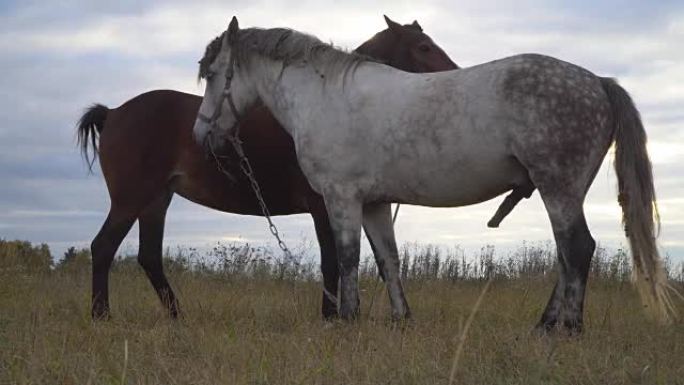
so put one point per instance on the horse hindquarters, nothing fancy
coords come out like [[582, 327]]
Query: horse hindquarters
[[563, 180], [136, 160], [562, 168]]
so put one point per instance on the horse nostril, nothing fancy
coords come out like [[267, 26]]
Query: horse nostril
[[199, 133], [206, 147]]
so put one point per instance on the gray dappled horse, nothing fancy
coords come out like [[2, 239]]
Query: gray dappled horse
[[367, 135]]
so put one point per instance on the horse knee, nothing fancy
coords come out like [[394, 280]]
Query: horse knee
[[101, 258], [577, 246], [582, 247], [150, 264], [107, 241]]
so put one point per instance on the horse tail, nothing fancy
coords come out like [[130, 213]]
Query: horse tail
[[89, 128], [638, 201]]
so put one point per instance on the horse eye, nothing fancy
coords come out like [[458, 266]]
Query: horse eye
[[424, 48], [210, 74]]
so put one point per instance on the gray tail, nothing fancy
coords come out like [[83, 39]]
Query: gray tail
[[88, 131], [638, 201]]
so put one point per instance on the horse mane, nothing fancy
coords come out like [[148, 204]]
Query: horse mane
[[210, 53], [287, 46]]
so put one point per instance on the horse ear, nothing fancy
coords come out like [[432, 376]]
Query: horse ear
[[415, 24], [392, 25], [233, 29]]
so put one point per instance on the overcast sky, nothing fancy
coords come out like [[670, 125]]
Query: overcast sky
[[58, 57]]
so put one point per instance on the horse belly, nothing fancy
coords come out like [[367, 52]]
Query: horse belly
[[447, 183], [199, 181]]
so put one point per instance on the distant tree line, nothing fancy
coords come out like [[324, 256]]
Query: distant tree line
[[417, 262], [22, 256]]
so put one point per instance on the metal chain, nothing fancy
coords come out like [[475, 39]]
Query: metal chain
[[396, 213], [246, 168]]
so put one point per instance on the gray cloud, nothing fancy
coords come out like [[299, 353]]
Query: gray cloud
[[62, 56]]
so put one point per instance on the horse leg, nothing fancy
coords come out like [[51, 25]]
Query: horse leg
[[151, 223], [377, 222], [103, 248], [345, 220], [575, 249], [329, 268]]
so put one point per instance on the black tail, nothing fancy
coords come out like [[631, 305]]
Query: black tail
[[89, 128]]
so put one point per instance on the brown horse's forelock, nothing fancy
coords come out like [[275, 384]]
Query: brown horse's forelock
[[286, 46]]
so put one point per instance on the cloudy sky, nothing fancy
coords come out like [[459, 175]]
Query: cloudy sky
[[60, 56]]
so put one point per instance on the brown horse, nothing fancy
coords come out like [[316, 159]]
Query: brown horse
[[147, 153]]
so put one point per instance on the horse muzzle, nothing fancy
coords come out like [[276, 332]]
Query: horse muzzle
[[200, 130]]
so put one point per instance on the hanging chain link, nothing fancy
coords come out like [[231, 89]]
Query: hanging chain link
[[246, 168]]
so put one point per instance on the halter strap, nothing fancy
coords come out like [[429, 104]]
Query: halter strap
[[225, 95]]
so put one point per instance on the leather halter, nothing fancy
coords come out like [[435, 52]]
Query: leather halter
[[225, 95]]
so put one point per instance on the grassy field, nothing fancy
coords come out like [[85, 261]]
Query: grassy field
[[263, 330]]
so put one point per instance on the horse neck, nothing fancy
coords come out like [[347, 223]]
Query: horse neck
[[300, 91], [287, 92]]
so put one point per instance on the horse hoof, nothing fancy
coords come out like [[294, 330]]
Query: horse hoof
[[401, 317], [566, 329], [544, 328], [349, 314], [101, 316], [573, 328], [329, 312], [402, 324]]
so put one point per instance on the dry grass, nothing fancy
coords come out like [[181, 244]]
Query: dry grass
[[267, 331]]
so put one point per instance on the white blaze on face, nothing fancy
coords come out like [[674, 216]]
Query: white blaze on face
[[210, 102], [215, 82], [200, 131], [201, 128]]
